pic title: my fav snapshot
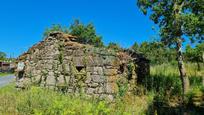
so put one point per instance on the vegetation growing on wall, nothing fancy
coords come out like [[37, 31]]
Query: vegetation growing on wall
[[86, 34]]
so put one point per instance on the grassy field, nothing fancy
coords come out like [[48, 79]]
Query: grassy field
[[163, 85]]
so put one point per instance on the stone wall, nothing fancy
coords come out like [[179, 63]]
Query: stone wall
[[60, 63]]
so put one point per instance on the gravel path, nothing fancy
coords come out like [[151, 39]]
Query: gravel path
[[6, 80]]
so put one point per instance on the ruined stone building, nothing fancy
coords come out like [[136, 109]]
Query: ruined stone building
[[61, 63]]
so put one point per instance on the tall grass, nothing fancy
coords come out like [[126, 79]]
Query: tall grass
[[165, 81], [170, 72], [172, 69], [39, 101]]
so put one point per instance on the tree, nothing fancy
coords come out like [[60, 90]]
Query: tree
[[114, 46], [195, 54], [55, 27], [192, 55], [86, 33], [2, 55], [178, 20], [156, 51], [200, 50], [135, 47]]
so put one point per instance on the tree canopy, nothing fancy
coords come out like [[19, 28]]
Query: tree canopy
[[2, 55], [156, 51], [114, 46], [176, 18], [86, 33], [195, 54]]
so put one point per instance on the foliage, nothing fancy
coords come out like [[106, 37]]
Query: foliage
[[185, 16], [163, 86], [55, 27], [122, 84], [114, 46], [164, 81], [136, 47], [195, 96], [2, 55], [194, 54], [178, 20], [157, 52], [200, 50], [40, 101], [86, 33]]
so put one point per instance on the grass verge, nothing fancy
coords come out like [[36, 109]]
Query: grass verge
[[5, 74]]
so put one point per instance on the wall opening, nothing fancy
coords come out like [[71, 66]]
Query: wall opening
[[79, 68], [66, 40], [121, 68], [20, 75]]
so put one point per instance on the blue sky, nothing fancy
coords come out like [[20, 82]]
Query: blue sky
[[23, 21]]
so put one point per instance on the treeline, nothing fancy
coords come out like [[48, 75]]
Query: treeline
[[195, 54], [156, 51], [159, 53], [86, 34], [2, 56]]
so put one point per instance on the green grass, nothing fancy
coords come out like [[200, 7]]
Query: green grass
[[5, 74], [39, 101], [172, 70], [163, 85], [165, 82], [168, 73]]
